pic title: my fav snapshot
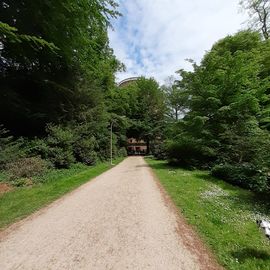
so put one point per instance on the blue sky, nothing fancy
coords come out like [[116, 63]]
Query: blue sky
[[154, 37]]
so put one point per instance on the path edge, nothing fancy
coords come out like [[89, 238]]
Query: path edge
[[6, 231], [190, 238]]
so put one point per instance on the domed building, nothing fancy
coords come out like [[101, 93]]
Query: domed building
[[127, 81]]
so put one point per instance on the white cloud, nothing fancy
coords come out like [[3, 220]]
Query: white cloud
[[154, 37]]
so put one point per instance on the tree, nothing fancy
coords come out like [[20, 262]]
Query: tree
[[56, 63], [143, 104], [176, 98], [227, 96], [259, 12]]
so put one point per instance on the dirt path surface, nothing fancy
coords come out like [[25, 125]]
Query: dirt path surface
[[120, 220]]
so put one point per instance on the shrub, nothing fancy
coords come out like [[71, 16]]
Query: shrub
[[57, 147], [158, 149], [122, 152], [22, 182], [61, 158], [244, 175], [39, 147], [188, 152], [26, 168], [10, 149], [84, 150], [103, 147]]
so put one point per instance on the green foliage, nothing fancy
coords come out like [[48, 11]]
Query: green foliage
[[56, 71], [188, 152], [176, 98], [124, 101], [25, 168], [226, 111], [57, 147], [244, 175], [85, 143], [158, 149], [9, 34], [10, 149], [84, 150], [122, 152], [56, 63], [143, 105]]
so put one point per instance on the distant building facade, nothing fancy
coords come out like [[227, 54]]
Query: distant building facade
[[136, 146]]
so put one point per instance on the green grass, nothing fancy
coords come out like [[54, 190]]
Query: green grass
[[223, 215], [21, 202]]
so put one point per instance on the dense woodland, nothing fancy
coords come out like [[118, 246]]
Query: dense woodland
[[58, 96], [56, 69], [226, 127]]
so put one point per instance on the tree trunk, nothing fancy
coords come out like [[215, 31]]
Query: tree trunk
[[176, 114], [148, 146]]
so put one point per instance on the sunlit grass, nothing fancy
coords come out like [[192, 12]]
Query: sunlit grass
[[223, 215]]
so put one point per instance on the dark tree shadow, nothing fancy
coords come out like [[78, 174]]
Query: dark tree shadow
[[251, 253], [163, 166]]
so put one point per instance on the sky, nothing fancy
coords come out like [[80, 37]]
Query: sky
[[153, 38]]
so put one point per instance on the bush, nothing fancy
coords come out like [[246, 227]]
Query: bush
[[10, 149], [244, 175], [57, 147], [158, 149], [188, 152], [84, 150], [103, 147], [22, 182], [122, 152], [25, 168]]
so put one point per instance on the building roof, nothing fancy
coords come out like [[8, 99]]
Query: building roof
[[127, 81]]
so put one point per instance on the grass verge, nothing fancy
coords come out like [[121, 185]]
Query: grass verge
[[21, 202], [223, 215]]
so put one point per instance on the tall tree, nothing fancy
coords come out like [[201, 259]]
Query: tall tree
[[62, 68], [143, 103], [228, 92], [259, 12], [176, 98]]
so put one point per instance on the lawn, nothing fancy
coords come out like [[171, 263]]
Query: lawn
[[21, 202], [223, 215]]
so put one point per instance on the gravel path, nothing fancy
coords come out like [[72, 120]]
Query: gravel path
[[119, 220]]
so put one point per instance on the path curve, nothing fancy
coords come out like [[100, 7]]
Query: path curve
[[119, 220]]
